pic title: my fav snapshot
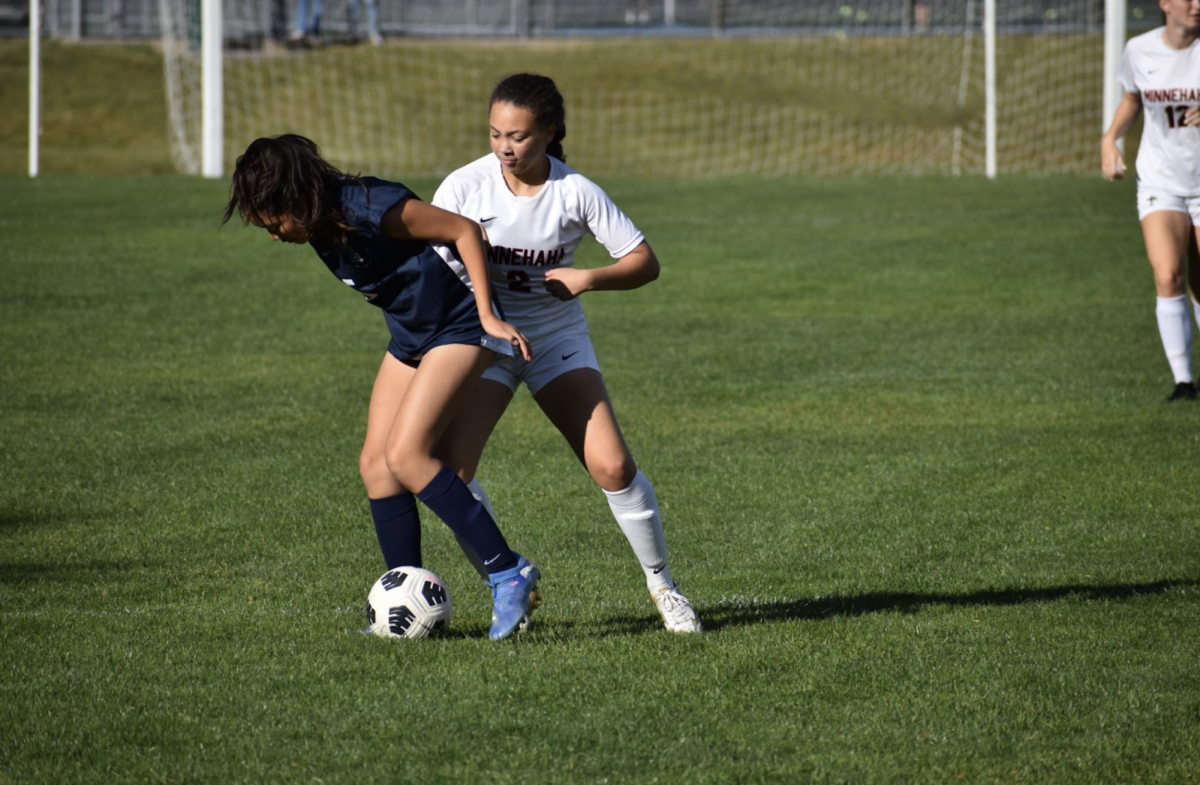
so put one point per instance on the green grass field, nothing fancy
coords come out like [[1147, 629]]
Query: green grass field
[[907, 436]]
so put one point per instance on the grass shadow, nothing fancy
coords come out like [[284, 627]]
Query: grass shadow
[[86, 572], [12, 519], [736, 613], [742, 612]]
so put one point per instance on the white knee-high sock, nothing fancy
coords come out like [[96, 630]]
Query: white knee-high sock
[[1175, 328], [481, 495], [636, 511]]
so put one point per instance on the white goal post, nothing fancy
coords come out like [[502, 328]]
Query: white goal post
[[1115, 14], [212, 46], [701, 88], [35, 87]]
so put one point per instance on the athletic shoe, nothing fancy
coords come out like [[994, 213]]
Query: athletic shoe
[[677, 613], [1184, 391], [514, 597]]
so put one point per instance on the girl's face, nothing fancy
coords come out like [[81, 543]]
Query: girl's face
[[518, 141], [282, 228], [1184, 13]]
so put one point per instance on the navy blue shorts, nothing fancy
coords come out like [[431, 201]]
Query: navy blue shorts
[[468, 331]]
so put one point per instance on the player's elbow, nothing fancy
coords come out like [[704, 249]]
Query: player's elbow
[[651, 268]]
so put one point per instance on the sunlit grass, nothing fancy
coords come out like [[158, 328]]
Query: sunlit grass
[[906, 435]]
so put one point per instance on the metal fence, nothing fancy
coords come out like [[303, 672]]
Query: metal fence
[[124, 19]]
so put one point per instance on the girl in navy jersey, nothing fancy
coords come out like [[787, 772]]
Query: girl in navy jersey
[[535, 210], [1160, 73], [375, 236]]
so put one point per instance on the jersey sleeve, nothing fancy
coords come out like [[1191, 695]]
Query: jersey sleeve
[[610, 226], [381, 196], [447, 196]]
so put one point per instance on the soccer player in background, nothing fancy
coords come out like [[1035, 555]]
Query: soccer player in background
[[535, 210], [375, 236], [1160, 73]]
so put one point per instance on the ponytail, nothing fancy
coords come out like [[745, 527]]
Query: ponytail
[[555, 148]]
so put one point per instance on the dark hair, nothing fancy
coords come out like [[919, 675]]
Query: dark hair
[[541, 97], [286, 176]]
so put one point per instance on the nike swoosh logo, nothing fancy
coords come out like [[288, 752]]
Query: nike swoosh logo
[[569, 356], [485, 220], [658, 570]]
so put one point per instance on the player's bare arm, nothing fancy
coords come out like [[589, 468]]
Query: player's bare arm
[[635, 269], [417, 220], [1112, 163]]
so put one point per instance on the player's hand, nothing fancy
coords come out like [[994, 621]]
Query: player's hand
[[498, 328], [1191, 117], [1112, 163], [567, 283]]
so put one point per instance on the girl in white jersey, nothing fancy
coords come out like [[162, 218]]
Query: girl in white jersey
[[535, 210], [1160, 72]]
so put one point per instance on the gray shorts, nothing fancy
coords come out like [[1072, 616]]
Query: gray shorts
[[565, 351], [1150, 200]]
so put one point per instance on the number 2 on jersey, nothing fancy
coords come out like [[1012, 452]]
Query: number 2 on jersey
[[518, 281]]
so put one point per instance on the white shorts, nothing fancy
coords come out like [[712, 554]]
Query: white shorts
[[1152, 200], [565, 351]]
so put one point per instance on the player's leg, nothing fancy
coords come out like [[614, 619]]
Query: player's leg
[[373, 34], [393, 507], [462, 445], [1194, 264], [577, 403], [1168, 234], [464, 440], [318, 8], [434, 396]]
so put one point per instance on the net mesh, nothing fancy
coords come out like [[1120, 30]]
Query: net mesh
[[699, 89]]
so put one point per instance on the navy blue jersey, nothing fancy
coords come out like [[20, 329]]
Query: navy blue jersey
[[425, 302]]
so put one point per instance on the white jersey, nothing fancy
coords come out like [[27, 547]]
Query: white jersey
[[529, 235], [1168, 81]]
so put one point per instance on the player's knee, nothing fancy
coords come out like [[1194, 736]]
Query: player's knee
[[613, 473], [401, 462], [1169, 284], [373, 468]]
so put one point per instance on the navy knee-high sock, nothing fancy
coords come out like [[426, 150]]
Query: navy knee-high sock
[[398, 527], [451, 500]]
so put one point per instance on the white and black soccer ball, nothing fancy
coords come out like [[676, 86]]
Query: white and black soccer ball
[[408, 602]]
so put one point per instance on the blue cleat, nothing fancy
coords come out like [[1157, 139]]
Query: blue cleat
[[514, 596]]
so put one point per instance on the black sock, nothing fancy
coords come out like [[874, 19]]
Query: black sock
[[398, 528], [451, 500]]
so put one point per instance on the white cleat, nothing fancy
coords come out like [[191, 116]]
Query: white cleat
[[677, 612]]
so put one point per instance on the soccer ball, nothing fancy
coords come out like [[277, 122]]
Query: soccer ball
[[408, 602]]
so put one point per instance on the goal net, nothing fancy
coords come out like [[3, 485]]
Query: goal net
[[658, 87]]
